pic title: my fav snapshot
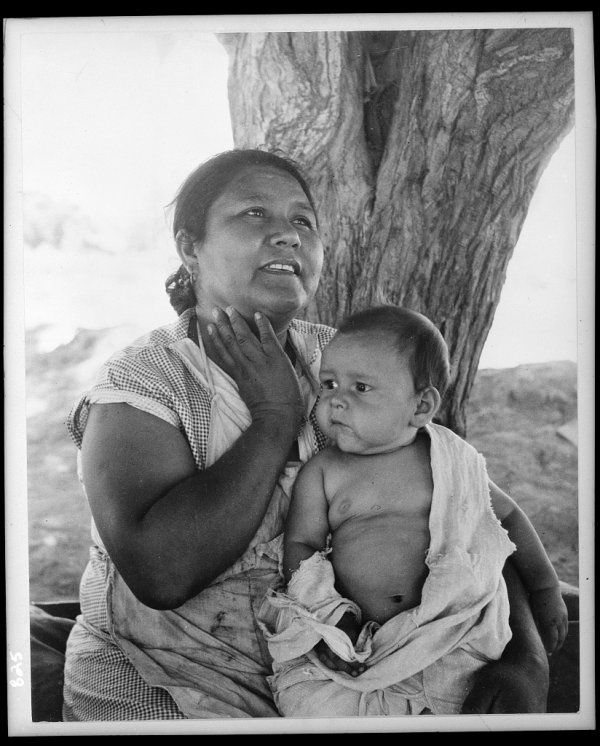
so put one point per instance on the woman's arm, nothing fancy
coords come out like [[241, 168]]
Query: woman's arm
[[170, 528], [519, 681]]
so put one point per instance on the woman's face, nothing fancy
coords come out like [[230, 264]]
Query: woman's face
[[261, 250]]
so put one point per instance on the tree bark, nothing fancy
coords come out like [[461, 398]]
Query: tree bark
[[423, 149]]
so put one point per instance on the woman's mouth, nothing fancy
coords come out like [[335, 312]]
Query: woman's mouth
[[291, 267]]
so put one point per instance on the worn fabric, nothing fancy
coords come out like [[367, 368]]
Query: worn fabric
[[208, 657], [424, 658]]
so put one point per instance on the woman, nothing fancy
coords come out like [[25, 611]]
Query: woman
[[190, 442]]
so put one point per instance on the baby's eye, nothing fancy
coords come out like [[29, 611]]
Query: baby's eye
[[329, 384], [362, 387]]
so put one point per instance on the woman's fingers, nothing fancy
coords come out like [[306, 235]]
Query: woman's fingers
[[266, 382], [227, 336], [268, 338], [242, 342], [247, 341], [226, 360], [237, 336]]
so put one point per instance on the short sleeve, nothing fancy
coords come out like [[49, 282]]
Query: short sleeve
[[129, 380]]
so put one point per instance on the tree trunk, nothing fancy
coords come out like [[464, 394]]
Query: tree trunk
[[423, 149]]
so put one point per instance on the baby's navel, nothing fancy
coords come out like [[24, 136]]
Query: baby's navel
[[344, 505], [376, 507]]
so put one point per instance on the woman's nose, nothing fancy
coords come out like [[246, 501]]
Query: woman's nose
[[284, 233]]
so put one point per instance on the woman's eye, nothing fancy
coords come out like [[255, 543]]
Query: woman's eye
[[256, 211], [302, 220]]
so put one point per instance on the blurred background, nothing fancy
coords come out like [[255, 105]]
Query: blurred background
[[112, 123]]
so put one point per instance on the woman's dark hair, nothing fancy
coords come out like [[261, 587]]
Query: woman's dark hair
[[413, 334], [200, 190]]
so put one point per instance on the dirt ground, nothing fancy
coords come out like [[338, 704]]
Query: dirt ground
[[522, 419]]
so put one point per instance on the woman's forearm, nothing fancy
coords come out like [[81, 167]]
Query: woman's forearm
[[519, 681], [224, 506], [170, 528]]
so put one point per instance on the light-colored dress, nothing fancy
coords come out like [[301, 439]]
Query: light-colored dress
[[423, 659], [207, 658]]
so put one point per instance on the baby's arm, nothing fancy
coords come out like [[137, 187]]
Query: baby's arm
[[535, 569], [306, 532], [307, 525]]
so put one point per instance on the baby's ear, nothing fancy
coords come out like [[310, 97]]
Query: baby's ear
[[428, 403]]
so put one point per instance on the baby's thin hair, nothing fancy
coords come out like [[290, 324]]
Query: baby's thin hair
[[413, 334]]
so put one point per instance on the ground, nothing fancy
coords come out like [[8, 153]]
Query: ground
[[522, 419], [524, 422]]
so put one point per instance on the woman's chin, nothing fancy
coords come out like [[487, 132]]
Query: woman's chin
[[280, 311]]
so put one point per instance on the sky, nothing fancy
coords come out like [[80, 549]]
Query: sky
[[114, 120]]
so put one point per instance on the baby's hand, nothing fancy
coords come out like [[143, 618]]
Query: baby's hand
[[550, 614], [350, 626], [332, 661]]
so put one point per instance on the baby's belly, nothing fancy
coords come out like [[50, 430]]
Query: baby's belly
[[379, 562]]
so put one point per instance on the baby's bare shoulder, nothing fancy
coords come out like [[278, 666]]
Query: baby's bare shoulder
[[328, 461], [322, 460], [332, 456]]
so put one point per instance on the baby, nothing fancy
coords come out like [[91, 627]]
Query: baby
[[395, 540]]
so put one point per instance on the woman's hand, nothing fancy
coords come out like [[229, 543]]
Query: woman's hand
[[170, 527], [519, 681], [509, 686], [263, 372]]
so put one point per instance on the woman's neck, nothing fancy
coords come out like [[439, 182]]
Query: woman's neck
[[204, 319]]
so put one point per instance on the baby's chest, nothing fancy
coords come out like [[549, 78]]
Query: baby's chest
[[367, 494]]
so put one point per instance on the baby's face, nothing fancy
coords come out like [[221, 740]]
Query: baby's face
[[367, 395]]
